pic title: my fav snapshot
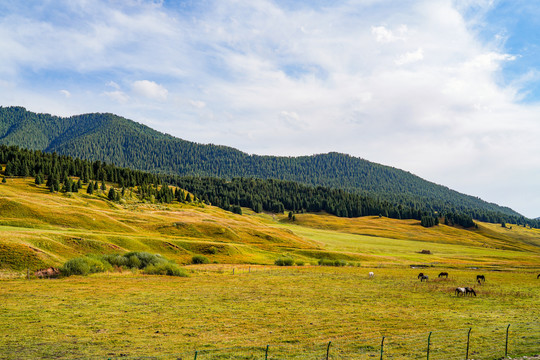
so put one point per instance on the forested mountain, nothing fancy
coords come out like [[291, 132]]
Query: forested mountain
[[113, 139], [61, 173]]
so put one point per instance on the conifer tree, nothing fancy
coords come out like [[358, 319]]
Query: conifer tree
[[112, 194], [90, 189]]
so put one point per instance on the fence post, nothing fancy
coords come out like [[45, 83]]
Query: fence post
[[506, 346], [266, 352], [328, 350], [196, 352], [468, 339], [382, 347], [428, 341]]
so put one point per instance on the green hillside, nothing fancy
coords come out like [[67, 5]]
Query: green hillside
[[113, 139], [40, 228]]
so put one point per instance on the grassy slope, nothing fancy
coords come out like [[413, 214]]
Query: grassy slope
[[38, 229], [116, 314]]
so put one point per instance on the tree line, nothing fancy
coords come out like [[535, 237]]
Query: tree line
[[64, 173]]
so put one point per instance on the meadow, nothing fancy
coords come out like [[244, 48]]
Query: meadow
[[117, 314], [240, 303]]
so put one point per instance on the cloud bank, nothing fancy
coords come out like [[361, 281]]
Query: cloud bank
[[409, 84]]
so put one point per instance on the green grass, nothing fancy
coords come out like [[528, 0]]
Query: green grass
[[112, 314], [235, 305]]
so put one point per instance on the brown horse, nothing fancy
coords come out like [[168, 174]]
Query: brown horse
[[445, 274], [469, 291]]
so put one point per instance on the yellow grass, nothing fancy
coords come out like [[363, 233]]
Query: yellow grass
[[239, 301]]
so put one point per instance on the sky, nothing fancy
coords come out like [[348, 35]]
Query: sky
[[447, 90]]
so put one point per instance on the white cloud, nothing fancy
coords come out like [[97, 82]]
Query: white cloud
[[197, 104], [66, 93], [113, 85], [410, 57], [384, 35], [150, 89], [118, 96]]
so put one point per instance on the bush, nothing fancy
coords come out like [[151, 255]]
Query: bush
[[142, 260], [284, 261], [212, 250], [328, 262], [299, 262], [169, 269], [199, 259], [84, 266], [134, 260]]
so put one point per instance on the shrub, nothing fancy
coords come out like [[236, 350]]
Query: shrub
[[328, 262], [299, 262], [141, 260], [284, 261], [212, 250], [199, 259], [84, 266], [169, 269], [135, 260]]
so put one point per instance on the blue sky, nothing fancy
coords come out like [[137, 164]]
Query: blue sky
[[448, 90]]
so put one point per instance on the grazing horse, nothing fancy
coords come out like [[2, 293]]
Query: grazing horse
[[470, 291], [480, 278], [371, 274], [445, 274], [461, 291], [424, 277], [420, 275]]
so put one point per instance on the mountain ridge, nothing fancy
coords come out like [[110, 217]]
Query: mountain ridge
[[123, 142]]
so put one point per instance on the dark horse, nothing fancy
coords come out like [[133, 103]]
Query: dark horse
[[420, 275], [469, 291], [445, 274], [424, 277], [538, 277], [480, 278]]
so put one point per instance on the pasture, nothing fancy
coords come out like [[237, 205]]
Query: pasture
[[124, 314], [238, 304]]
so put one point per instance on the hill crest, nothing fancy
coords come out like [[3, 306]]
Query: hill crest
[[110, 138]]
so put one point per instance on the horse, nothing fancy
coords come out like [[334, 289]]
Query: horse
[[480, 278], [424, 277], [445, 274], [470, 291], [420, 275], [461, 291], [538, 277], [371, 274]]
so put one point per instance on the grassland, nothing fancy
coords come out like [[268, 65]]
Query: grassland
[[242, 300], [109, 315]]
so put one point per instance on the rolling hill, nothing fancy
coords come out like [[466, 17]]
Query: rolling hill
[[39, 228], [113, 139]]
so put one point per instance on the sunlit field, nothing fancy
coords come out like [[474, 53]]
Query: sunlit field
[[241, 306], [112, 315]]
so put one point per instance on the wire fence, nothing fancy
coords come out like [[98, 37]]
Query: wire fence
[[478, 343]]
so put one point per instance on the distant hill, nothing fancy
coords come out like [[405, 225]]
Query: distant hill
[[113, 139]]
